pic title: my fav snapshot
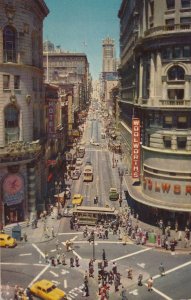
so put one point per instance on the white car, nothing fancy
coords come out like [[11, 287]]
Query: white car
[[95, 143], [79, 162]]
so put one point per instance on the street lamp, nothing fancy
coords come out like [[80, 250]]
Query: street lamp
[[121, 174], [58, 186]]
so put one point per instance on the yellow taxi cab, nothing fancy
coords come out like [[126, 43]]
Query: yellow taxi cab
[[77, 199], [7, 241], [47, 290]]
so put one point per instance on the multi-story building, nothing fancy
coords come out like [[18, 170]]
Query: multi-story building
[[22, 128], [155, 73], [108, 55], [63, 68]]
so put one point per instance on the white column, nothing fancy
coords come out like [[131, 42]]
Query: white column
[[141, 78], [158, 84], [152, 76], [164, 91], [187, 90]]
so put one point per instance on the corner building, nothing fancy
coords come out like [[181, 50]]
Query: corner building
[[155, 87], [22, 130]]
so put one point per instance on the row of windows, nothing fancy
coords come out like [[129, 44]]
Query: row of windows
[[17, 83], [183, 20], [170, 4], [168, 121], [176, 52], [180, 122], [181, 142], [6, 82]]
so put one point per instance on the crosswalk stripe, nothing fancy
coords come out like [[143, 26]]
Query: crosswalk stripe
[[65, 284]]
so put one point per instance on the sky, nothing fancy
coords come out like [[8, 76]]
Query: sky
[[81, 25]]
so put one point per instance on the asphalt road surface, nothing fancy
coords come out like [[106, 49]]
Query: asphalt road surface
[[25, 264]]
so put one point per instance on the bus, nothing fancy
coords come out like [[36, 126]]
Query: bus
[[88, 173], [91, 215]]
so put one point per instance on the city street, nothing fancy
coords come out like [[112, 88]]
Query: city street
[[26, 263]]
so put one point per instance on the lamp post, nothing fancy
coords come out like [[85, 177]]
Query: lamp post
[[58, 186], [121, 174]]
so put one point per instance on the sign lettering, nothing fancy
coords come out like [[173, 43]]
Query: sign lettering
[[135, 148]]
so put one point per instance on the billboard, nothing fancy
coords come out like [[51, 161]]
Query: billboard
[[136, 150]]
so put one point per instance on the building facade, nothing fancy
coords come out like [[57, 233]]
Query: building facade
[[108, 55], [155, 88], [63, 68], [22, 128]]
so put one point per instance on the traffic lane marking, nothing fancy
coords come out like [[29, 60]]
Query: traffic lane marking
[[65, 284], [173, 269], [131, 254], [39, 251], [53, 273], [37, 277], [76, 254], [25, 254], [22, 264], [166, 273]]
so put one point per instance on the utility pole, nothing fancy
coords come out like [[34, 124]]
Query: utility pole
[[121, 174]]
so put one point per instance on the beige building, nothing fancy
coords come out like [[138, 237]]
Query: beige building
[[22, 127], [155, 73], [108, 55], [62, 68]]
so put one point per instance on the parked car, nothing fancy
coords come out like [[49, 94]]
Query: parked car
[[75, 175], [47, 290], [7, 241], [68, 211], [113, 194], [79, 162]]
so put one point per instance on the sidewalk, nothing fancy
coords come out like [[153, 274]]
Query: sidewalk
[[40, 234], [182, 246]]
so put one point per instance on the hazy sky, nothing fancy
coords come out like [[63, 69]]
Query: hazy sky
[[81, 25]]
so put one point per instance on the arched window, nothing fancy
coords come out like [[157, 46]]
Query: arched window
[[176, 73], [9, 44], [11, 114]]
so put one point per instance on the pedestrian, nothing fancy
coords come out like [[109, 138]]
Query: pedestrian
[[116, 284], [103, 255], [71, 262], [53, 262], [25, 236], [28, 294], [106, 234], [110, 277], [114, 268], [52, 232], [91, 271], [123, 293], [77, 261], [118, 277], [161, 270], [140, 278], [86, 290], [58, 258], [46, 258], [63, 259], [130, 273], [150, 284], [86, 277], [71, 224], [57, 244]]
